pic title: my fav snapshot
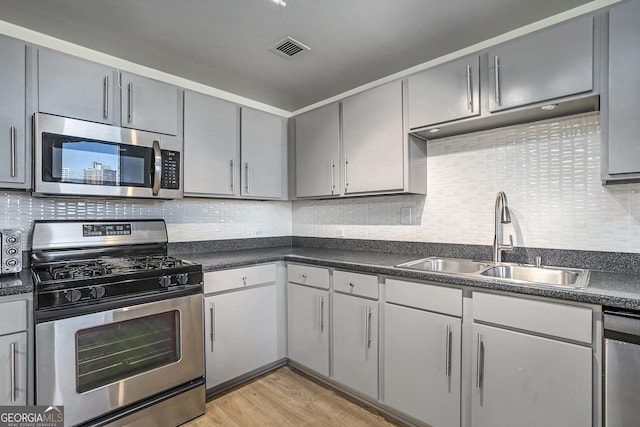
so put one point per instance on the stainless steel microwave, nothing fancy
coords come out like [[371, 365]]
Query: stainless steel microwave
[[79, 158]]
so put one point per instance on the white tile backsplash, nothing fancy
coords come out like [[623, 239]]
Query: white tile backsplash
[[187, 219], [549, 170]]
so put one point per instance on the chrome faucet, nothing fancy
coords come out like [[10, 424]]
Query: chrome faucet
[[502, 216]]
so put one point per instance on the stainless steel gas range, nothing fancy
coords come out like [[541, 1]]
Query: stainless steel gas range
[[119, 327]]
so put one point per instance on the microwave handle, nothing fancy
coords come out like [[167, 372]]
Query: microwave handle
[[157, 167]]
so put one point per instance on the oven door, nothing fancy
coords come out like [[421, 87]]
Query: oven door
[[96, 363]]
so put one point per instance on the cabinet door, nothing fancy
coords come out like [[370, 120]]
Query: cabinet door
[[149, 104], [211, 141], [13, 365], [261, 144], [318, 152], [422, 364], [624, 81], [73, 87], [308, 327], [240, 332], [355, 343], [444, 93], [13, 143], [373, 140], [525, 380], [552, 63]]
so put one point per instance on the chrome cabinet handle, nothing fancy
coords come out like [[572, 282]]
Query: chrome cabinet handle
[[321, 304], [332, 165], [304, 276], [105, 97], [448, 342], [246, 175], [212, 312], [244, 281], [130, 96], [232, 175], [12, 350], [496, 74], [12, 138], [480, 362], [157, 167], [346, 176], [469, 90], [367, 326]]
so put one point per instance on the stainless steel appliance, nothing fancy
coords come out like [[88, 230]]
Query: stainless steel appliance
[[622, 368], [78, 158], [10, 251], [119, 324]]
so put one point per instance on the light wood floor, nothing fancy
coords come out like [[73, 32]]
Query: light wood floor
[[284, 397]]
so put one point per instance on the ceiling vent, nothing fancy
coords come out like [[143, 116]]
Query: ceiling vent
[[288, 48]]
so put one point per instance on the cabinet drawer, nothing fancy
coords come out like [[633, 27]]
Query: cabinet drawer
[[364, 285], [217, 281], [305, 275], [427, 297], [549, 318], [14, 315]]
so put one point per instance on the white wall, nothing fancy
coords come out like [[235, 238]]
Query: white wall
[[550, 172], [187, 219]]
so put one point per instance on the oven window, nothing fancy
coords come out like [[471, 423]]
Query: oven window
[[112, 352], [68, 159]]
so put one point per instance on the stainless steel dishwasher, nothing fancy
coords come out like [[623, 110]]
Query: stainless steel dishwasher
[[622, 369]]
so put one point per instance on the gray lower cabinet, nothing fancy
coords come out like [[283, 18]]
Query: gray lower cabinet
[[355, 343], [74, 87], [318, 152], [308, 327], [373, 140], [14, 164], [529, 381], [240, 332], [14, 357], [532, 363], [552, 63], [241, 308], [621, 127], [263, 154], [151, 105], [211, 146], [446, 92]]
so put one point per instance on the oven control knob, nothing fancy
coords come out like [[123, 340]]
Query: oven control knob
[[182, 278], [73, 295], [165, 281], [97, 292]]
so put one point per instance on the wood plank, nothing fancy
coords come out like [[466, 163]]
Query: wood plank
[[286, 397]]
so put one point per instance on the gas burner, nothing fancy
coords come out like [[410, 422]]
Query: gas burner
[[79, 270], [154, 262]]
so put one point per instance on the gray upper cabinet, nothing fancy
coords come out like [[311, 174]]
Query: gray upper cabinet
[[13, 141], [621, 114], [73, 87], [263, 154], [149, 104], [211, 146], [318, 152], [373, 140], [545, 65], [446, 92]]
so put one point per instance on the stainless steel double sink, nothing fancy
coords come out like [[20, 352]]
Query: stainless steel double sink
[[511, 273]]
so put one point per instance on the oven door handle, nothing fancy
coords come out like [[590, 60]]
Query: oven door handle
[[157, 167]]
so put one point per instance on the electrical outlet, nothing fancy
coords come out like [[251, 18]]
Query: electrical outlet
[[258, 233], [405, 216], [339, 233]]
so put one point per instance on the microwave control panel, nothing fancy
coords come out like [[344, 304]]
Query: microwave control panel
[[170, 170]]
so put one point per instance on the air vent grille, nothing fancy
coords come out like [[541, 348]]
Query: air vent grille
[[288, 48]]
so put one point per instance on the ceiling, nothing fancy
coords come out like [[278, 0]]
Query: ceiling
[[224, 43]]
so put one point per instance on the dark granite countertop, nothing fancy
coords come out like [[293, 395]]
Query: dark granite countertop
[[605, 288], [13, 284]]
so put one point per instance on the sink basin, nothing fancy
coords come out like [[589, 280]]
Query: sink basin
[[446, 265], [545, 275]]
